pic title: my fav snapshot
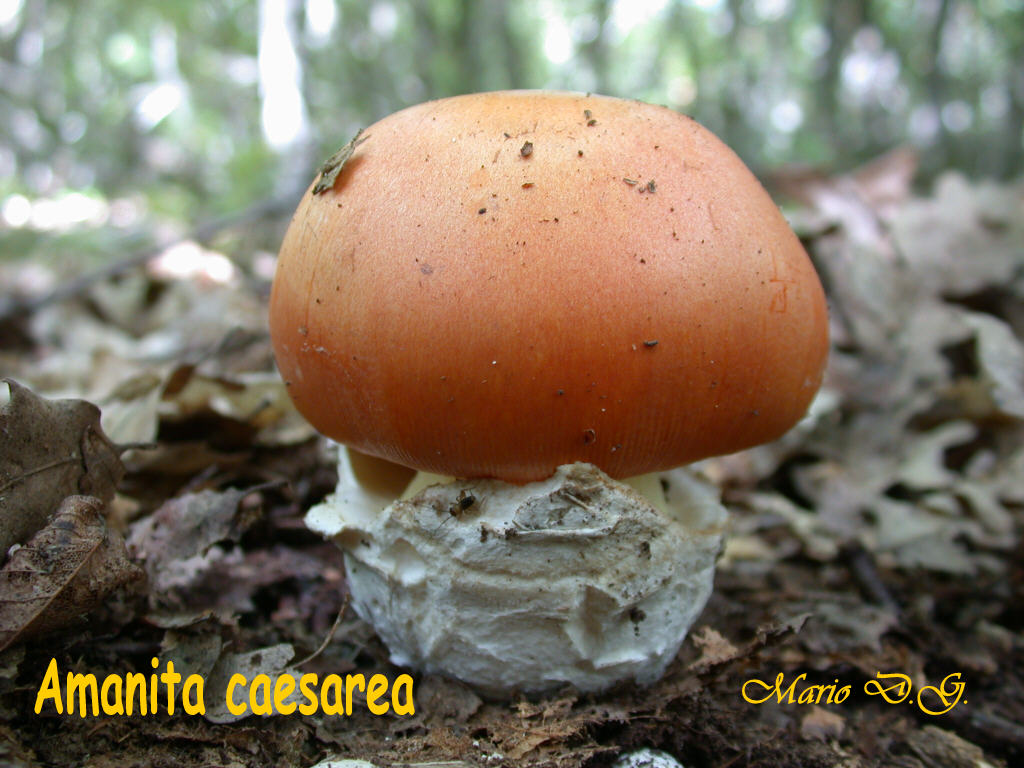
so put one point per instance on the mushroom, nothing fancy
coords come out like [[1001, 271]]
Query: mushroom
[[545, 336]]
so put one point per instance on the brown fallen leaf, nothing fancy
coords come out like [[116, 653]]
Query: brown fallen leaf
[[257, 400], [192, 653], [330, 170], [271, 661], [177, 543], [63, 572], [715, 649], [49, 449]]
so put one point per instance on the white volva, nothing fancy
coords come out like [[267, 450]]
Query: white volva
[[575, 579]]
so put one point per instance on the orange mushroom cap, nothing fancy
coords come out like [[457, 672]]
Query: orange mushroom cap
[[500, 283]]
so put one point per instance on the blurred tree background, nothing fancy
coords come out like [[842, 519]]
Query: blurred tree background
[[116, 116]]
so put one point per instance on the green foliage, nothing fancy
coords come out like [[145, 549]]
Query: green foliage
[[162, 101]]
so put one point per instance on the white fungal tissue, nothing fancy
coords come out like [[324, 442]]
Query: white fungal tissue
[[577, 579]]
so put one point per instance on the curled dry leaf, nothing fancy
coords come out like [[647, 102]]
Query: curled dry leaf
[[715, 649], [50, 449], [257, 401], [63, 572]]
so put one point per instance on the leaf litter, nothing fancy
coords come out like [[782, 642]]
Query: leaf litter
[[50, 450], [62, 572], [881, 534]]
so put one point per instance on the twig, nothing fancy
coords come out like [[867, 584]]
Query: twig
[[330, 635], [998, 728], [862, 566], [36, 470]]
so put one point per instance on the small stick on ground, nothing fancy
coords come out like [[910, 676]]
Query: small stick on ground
[[330, 634]]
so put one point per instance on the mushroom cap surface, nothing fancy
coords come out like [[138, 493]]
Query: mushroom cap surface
[[500, 283]]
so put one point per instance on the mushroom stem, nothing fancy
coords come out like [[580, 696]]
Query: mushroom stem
[[574, 579], [651, 488]]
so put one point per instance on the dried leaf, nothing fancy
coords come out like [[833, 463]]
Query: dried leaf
[[1001, 360], [820, 543], [841, 624], [173, 542], [923, 466], [968, 236], [715, 649], [768, 634], [521, 744], [50, 449], [269, 661], [62, 573], [995, 518], [258, 400], [913, 537], [330, 170], [131, 414], [263, 567], [886, 181], [192, 653], [939, 748]]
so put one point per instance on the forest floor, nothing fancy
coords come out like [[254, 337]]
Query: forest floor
[[876, 548]]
